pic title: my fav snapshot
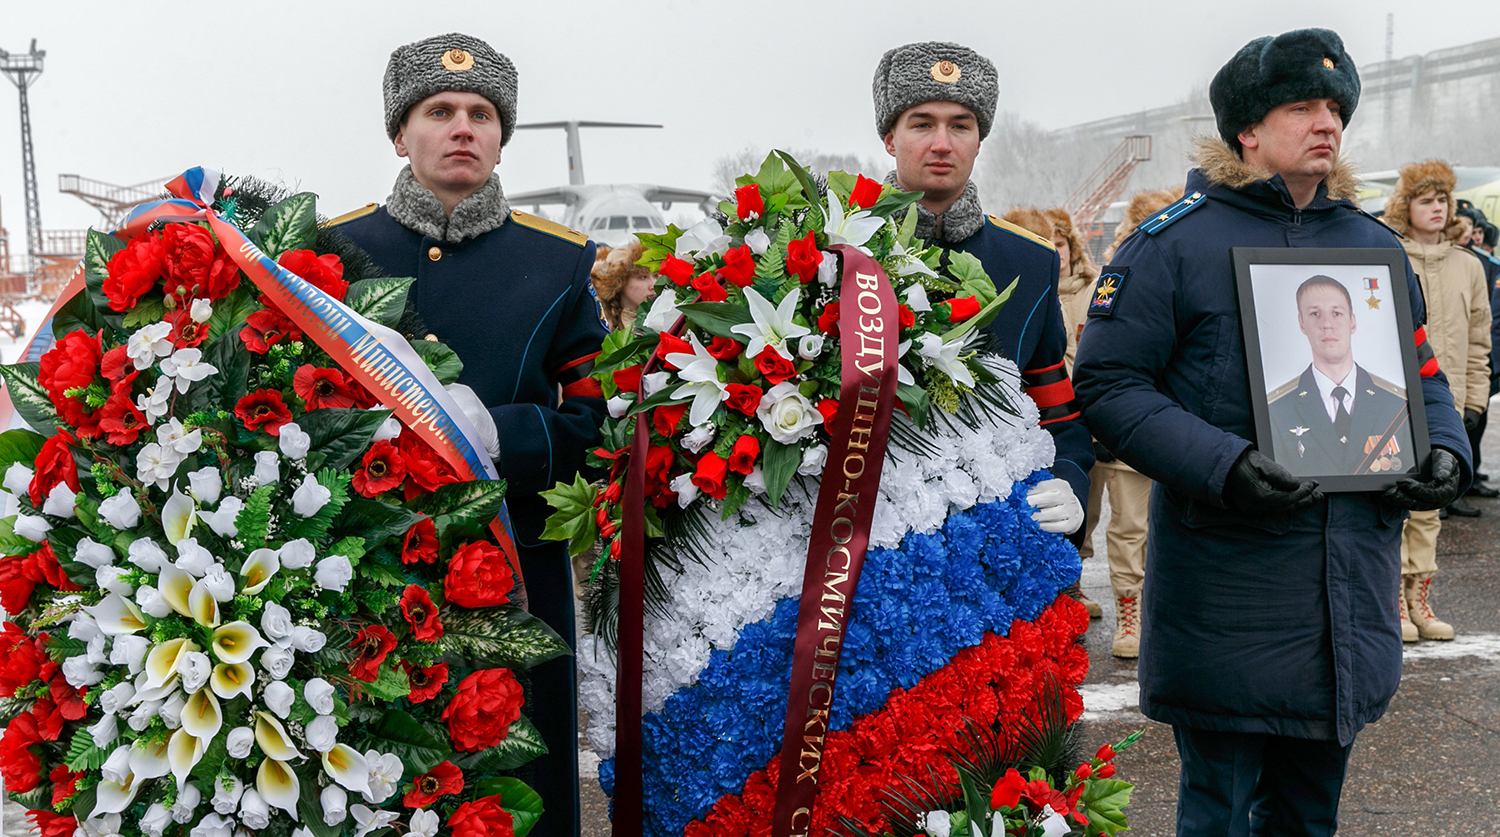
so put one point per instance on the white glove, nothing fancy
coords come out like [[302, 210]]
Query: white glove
[[478, 416], [1057, 510]]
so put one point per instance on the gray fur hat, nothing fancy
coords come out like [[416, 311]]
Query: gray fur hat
[[449, 62], [934, 71]]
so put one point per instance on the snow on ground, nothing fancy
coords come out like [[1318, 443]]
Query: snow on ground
[[33, 311]]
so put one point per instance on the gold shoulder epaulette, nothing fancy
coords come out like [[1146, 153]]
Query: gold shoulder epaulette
[[555, 230], [1022, 232], [1283, 389], [349, 216], [1388, 386]]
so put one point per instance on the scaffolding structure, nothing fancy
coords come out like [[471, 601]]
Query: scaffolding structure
[[23, 69], [1106, 185]]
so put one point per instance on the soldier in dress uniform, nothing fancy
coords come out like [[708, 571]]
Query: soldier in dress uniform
[[510, 293], [1325, 421], [934, 103]]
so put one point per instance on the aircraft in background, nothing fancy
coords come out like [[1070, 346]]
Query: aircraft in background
[[1478, 185], [608, 213]]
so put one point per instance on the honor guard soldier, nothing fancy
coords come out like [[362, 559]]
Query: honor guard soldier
[[510, 293], [934, 103], [1269, 638]]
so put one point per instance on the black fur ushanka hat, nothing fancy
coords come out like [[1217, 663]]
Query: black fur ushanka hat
[[1291, 67]]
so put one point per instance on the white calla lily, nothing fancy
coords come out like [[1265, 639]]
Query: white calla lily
[[236, 641], [259, 568], [231, 679], [772, 324], [148, 760], [345, 765], [163, 661], [203, 605], [277, 785], [176, 587], [272, 738], [184, 751], [114, 797], [178, 516], [117, 615], [201, 715], [700, 371]]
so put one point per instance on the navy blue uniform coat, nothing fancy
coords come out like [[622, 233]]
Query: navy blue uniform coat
[[1283, 624]]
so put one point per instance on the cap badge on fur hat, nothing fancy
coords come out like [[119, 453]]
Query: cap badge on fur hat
[[946, 72], [458, 60], [1268, 72], [1328, 62]]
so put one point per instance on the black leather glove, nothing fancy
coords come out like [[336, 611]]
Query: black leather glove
[[1429, 494], [1102, 453], [1256, 485], [1472, 419]]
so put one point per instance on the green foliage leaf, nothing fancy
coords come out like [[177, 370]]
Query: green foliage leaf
[[623, 350], [517, 798], [717, 318], [391, 683], [381, 300], [443, 361], [340, 435], [399, 733], [521, 744], [228, 355], [98, 249], [894, 202], [309, 805], [465, 506], [231, 311], [916, 401], [77, 314], [255, 518], [291, 224], [83, 754], [213, 760], [498, 637], [1104, 800], [83, 803], [985, 315], [146, 311], [779, 464], [383, 574], [315, 528], [30, 399], [374, 521], [19, 446], [574, 521]]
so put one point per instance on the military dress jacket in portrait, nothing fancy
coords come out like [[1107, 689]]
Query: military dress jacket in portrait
[[1306, 442]]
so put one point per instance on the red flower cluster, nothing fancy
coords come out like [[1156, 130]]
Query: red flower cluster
[[324, 272], [382, 469], [72, 364], [53, 825], [774, 365], [54, 466], [20, 575], [803, 258], [421, 614], [196, 266], [61, 703], [442, 780], [480, 818], [666, 418], [267, 327], [373, 642], [23, 660], [20, 766], [739, 266], [426, 470], [480, 715], [744, 398], [134, 271], [678, 270], [478, 576], [321, 388]]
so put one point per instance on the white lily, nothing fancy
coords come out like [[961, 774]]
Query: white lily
[[272, 738], [173, 435], [117, 615], [232, 679], [700, 371], [916, 298], [944, 356], [259, 568], [156, 464], [345, 765], [663, 314], [201, 715], [176, 588], [188, 367], [236, 641], [148, 344], [184, 751], [772, 325], [903, 262], [370, 820], [903, 375], [278, 785], [154, 401], [203, 604], [164, 661], [701, 240], [854, 228]]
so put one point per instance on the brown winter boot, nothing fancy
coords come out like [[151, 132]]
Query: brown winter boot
[[1408, 629], [1095, 611], [1419, 601], [1127, 643]]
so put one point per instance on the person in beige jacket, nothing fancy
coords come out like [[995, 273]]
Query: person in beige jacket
[[1458, 328]]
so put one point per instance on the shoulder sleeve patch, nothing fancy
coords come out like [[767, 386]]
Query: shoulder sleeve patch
[[1022, 232], [350, 216], [542, 225], [1166, 217], [1107, 291]]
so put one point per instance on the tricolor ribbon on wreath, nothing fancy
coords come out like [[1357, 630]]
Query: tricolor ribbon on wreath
[[380, 359], [835, 555]]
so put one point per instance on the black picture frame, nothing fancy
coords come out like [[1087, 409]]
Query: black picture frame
[[1310, 445]]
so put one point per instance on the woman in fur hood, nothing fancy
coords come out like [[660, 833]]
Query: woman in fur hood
[[1458, 326], [621, 284]]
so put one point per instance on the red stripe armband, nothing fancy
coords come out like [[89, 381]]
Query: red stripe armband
[[1426, 360], [575, 378], [1052, 390]]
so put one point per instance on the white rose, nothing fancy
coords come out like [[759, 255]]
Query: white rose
[[171, 710], [828, 271], [618, 406], [756, 480], [758, 241], [205, 484], [84, 627], [195, 669], [335, 805], [786, 414], [192, 558], [113, 580], [293, 441], [277, 662], [32, 527], [116, 767], [319, 695], [152, 602], [94, 554], [651, 384], [239, 741], [219, 583], [687, 492], [276, 623], [130, 651], [810, 346], [279, 697], [121, 511], [227, 795], [144, 712], [333, 573], [699, 437], [308, 640], [18, 479], [937, 823], [212, 825], [61, 501], [322, 733], [388, 430], [812, 461], [116, 698], [222, 521], [79, 672], [310, 496], [95, 653], [188, 798], [144, 553], [296, 555], [156, 820], [105, 731], [254, 812], [267, 469]]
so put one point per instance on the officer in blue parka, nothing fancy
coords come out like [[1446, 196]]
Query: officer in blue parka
[[510, 293], [934, 103], [1271, 634]]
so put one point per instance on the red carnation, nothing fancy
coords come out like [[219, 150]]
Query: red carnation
[[374, 643], [267, 327], [725, 348], [325, 272], [426, 683], [21, 660], [197, 267], [421, 614], [739, 266], [120, 420], [744, 397], [480, 818], [444, 779], [775, 367], [263, 409], [64, 784], [742, 456], [54, 466], [664, 419], [710, 475], [905, 316], [829, 408], [54, 825], [828, 321], [134, 271], [709, 289], [73, 363], [426, 470], [421, 543], [866, 192], [672, 345], [628, 379], [382, 469], [679, 271], [480, 715], [186, 331], [20, 768], [747, 201], [961, 308], [803, 258], [478, 576]]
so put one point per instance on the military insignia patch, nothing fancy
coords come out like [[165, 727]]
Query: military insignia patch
[[1107, 291]]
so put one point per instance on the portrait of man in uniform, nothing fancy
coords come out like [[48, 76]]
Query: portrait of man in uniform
[[1336, 418]]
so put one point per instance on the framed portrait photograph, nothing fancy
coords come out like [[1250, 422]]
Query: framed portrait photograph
[[1333, 372]]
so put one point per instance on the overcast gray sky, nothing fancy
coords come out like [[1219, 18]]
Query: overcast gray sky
[[291, 90]]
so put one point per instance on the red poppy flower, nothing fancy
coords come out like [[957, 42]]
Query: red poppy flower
[[186, 331], [383, 468], [744, 398], [115, 364], [828, 321], [324, 272], [725, 348], [426, 683], [712, 470], [421, 614], [666, 418], [61, 703], [628, 379], [739, 266], [263, 408], [478, 576], [442, 780], [742, 456], [672, 345], [64, 784], [120, 420], [54, 466], [197, 267], [774, 366], [480, 818], [678, 270], [480, 715], [709, 289], [134, 271], [866, 192], [373, 642], [748, 202], [803, 258], [421, 543], [267, 327]]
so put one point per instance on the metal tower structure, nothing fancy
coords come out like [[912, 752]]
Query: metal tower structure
[[113, 202], [1106, 184], [22, 70]]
